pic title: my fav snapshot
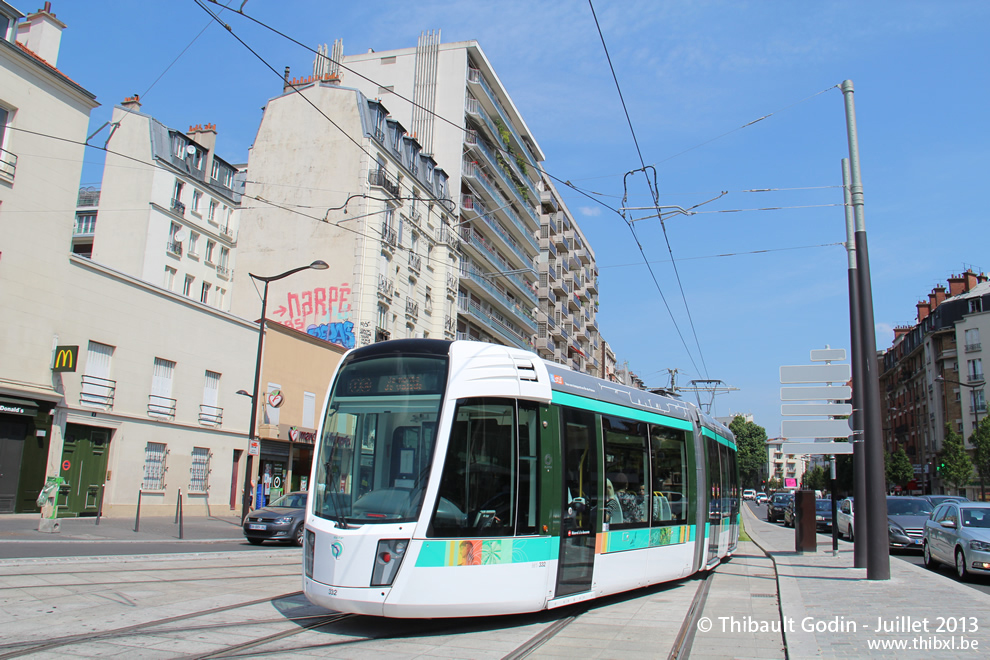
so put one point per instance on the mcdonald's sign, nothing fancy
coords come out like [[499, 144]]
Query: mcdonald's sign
[[65, 358]]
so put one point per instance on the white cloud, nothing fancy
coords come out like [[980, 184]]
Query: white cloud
[[590, 211]]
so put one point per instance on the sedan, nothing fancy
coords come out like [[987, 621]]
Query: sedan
[[958, 534], [939, 499], [845, 518], [776, 505], [906, 518], [282, 520], [823, 515]]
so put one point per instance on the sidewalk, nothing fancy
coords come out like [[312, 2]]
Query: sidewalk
[[830, 610], [23, 527]]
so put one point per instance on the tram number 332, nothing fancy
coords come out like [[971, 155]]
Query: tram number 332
[[331, 591]]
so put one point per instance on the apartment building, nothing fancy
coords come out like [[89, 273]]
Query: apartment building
[[932, 375], [527, 276], [172, 223], [333, 177]]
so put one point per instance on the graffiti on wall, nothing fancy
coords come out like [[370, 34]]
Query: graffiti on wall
[[366, 337], [322, 312]]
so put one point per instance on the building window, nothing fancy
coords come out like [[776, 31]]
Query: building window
[[169, 277], [196, 200], [97, 388], [204, 295], [212, 212], [199, 471], [187, 286], [224, 257], [160, 402], [193, 247], [209, 412], [975, 370], [219, 297], [155, 454], [211, 247]]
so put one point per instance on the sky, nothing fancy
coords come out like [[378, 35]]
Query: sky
[[720, 96]]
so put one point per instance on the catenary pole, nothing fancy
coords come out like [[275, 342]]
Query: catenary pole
[[877, 553], [856, 340]]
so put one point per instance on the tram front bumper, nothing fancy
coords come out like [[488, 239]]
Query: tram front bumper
[[370, 601]]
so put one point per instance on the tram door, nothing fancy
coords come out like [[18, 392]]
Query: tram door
[[580, 512], [717, 498]]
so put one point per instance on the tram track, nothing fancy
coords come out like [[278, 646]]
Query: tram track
[[214, 578]]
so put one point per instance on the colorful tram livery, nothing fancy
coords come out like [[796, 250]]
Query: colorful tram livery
[[463, 478]]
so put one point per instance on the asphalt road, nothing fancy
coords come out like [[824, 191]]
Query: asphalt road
[[73, 548]]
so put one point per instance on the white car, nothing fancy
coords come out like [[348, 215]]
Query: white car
[[749, 494], [761, 497], [844, 520]]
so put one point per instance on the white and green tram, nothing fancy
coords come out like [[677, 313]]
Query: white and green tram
[[463, 478]]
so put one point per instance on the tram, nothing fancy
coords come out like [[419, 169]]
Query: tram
[[459, 478]]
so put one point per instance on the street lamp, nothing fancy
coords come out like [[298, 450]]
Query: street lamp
[[976, 413], [246, 496]]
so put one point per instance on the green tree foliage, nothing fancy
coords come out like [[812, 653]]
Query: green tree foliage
[[958, 468], [981, 440], [899, 469], [751, 443], [815, 479], [844, 473]]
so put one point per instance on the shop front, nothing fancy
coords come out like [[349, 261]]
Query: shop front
[[25, 431]]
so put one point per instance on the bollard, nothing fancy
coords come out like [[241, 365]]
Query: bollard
[[137, 518], [178, 503], [181, 535], [99, 507]]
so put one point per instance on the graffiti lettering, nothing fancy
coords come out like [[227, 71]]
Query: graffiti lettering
[[335, 333], [365, 333], [323, 304]]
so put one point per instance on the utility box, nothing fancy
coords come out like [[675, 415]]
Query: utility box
[[805, 527]]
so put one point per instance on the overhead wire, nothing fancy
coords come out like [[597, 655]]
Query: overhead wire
[[656, 202], [731, 254]]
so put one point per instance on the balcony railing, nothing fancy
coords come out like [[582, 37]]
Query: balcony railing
[[389, 237], [449, 324], [161, 407], [8, 164], [511, 306], [97, 392], [972, 348], [415, 262], [227, 232], [474, 75], [478, 206], [974, 378], [383, 179], [472, 169], [174, 247], [412, 309], [178, 207], [210, 415], [382, 334], [451, 284], [385, 286], [223, 271], [494, 324], [88, 196]]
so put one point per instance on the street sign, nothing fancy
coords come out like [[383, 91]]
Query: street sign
[[833, 409], [254, 448], [828, 355], [816, 373], [815, 428], [816, 447], [834, 393]]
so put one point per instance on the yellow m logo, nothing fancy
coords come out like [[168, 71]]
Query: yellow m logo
[[65, 358]]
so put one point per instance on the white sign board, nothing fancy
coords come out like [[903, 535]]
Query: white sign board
[[828, 355], [816, 373], [816, 447], [815, 428], [832, 409], [834, 393]]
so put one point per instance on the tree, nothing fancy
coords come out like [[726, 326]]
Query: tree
[[981, 440], [899, 469], [751, 450], [814, 479], [957, 468]]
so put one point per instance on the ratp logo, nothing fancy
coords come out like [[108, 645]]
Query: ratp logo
[[559, 380], [336, 549]]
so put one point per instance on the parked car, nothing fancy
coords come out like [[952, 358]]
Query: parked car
[[844, 518], [958, 534], [776, 505], [906, 518], [938, 499], [749, 494], [761, 497], [282, 520], [823, 515]]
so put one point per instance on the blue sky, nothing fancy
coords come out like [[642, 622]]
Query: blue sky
[[693, 75]]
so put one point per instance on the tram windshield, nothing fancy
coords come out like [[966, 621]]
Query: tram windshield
[[377, 440]]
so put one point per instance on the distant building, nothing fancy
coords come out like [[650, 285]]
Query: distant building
[[932, 375]]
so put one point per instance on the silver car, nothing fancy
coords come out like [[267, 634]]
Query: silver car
[[845, 518], [958, 534]]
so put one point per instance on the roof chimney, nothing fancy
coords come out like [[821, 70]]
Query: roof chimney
[[970, 279], [924, 309], [41, 33], [900, 331], [132, 103], [956, 285], [937, 296], [204, 135]]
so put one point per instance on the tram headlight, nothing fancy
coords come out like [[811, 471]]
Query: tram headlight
[[308, 552], [387, 560]]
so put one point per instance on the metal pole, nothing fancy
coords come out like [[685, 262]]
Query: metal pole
[[181, 533], [178, 503], [835, 512], [99, 509], [246, 497], [856, 336], [877, 552], [137, 518]]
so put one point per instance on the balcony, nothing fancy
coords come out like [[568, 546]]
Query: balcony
[[549, 201], [8, 165], [972, 348], [389, 237], [210, 415], [495, 325], [415, 262], [511, 307], [223, 272], [382, 179], [474, 76], [415, 218], [472, 203], [514, 179], [174, 248], [446, 234], [974, 378], [385, 287], [382, 335], [227, 232], [161, 407], [97, 392], [449, 324], [547, 245], [412, 309], [88, 196], [474, 172], [178, 207], [582, 255], [451, 285]]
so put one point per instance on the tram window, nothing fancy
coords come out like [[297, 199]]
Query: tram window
[[714, 480], [668, 453], [529, 473], [580, 472], [625, 470], [477, 487]]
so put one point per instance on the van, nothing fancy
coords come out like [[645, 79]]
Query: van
[[749, 494]]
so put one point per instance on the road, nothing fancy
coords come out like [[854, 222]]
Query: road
[[979, 582]]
